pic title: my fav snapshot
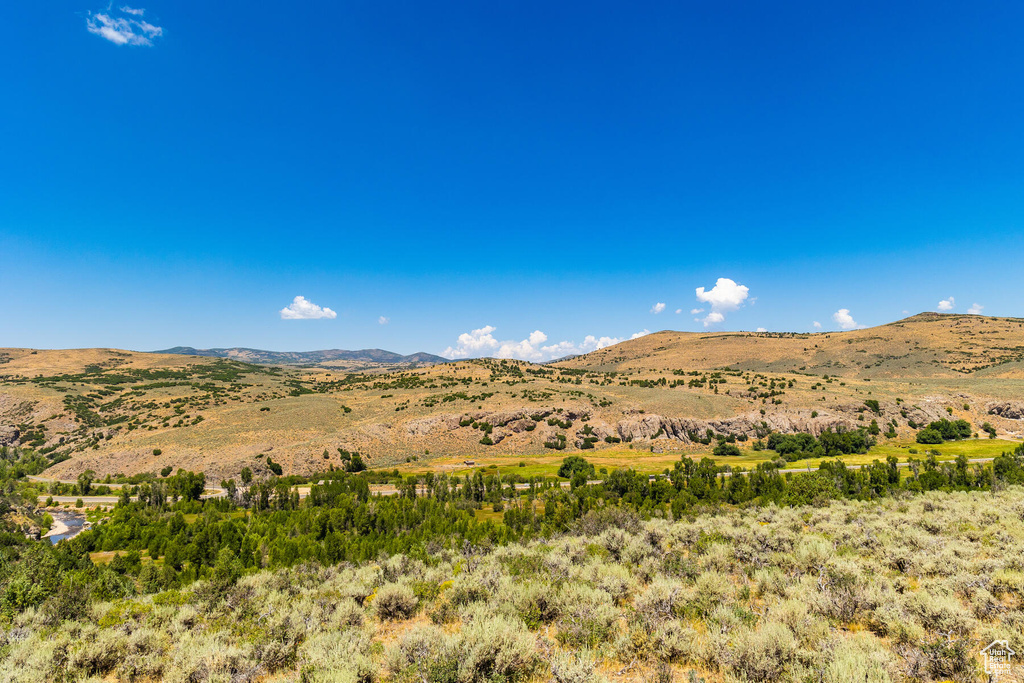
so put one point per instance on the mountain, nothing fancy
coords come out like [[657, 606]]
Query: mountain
[[325, 357], [643, 401]]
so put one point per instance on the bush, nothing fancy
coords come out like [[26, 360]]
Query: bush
[[929, 436], [576, 464], [764, 655], [496, 648], [573, 667], [395, 601], [945, 430], [724, 448]]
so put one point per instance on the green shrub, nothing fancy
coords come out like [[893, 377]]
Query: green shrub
[[496, 648], [764, 654], [573, 667], [395, 601], [724, 448]]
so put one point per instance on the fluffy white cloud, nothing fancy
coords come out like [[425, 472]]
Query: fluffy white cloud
[[301, 309], [678, 311], [975, 309], [695, 311], [482, 342], [724, 297], [124, 26], [711, 318], [947, 304], [816, 325], [761, 329], [845, 320], [383, 320], [657, 308]]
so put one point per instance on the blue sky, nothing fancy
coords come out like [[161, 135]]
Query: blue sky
[[424, 170]]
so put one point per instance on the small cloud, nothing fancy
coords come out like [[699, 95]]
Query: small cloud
[[383, 320], [641, 333], [906, 312], [678, 311], [947, 304], [845, 321], [301, 309], [975, 309], [760, 329], [657, 308], [711, 318], [724, 297], [696, 311], [124, 26], [816, 325]]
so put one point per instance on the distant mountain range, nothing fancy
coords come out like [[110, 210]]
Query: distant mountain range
[[311, 357]]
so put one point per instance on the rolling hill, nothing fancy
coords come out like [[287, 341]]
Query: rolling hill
[[119, 411], [366, 358]]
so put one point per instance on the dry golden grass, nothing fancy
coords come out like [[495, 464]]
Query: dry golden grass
[[930, 362]]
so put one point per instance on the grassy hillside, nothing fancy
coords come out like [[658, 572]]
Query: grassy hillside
[[929, 345], [118, 411]]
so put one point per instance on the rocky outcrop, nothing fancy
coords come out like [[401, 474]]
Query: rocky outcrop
[[423, 426], [9, 435], [754, 425], [1011, 410], [523, 425]]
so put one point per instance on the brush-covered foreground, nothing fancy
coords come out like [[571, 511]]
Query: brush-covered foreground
[[901, 588]]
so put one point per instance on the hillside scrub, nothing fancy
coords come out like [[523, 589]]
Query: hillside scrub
[[759, 577], [886, 590]]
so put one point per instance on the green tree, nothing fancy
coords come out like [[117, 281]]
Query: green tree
[[85, 480], [574, 464]]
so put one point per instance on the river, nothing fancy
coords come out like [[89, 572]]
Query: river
[[66, 524]]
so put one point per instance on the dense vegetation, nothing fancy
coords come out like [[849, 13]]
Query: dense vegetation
[[799, 446], [945, 430], [263, 581]]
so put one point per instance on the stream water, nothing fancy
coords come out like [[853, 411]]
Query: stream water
[[74, 521]]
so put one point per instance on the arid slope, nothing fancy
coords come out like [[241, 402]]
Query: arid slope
[[118, 411]]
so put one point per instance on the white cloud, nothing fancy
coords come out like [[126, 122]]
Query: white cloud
[[975, 309], [695, 311], [300, 309], [657, 308], [760, 329], [845, 320], [383, 320], [724, 297], [947, 304], [482, 342], [816, 325], [124, 26], [678, 311], [711, 318]]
